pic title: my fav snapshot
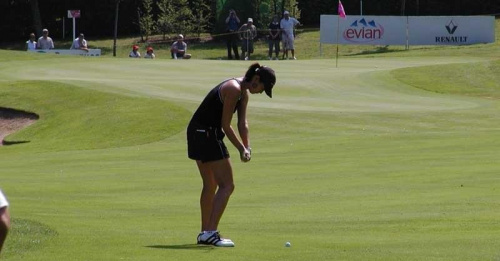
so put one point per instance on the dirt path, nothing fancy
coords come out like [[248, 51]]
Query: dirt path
[[13, 120]]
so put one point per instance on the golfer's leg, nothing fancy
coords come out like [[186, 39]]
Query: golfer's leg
[[223, 174], [207, 194]]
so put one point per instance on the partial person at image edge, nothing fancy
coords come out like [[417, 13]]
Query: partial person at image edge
[[4, 219]]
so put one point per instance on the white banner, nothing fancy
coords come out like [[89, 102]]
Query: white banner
[[422, 30], [451, 30], [90, 52], [370, 30]]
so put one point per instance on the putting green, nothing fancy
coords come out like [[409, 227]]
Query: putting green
[[349, 163]]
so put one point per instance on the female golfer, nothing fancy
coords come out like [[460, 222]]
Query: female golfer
[[210, 123]]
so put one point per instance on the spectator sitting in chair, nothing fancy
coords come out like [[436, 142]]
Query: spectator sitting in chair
[[80, 43], [179, 49], [135, 52], [149, 53]]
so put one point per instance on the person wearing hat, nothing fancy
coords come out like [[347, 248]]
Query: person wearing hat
[[4, 219], [45, 42], [150, 53], [135, 52], [80, 43], [248, 32], [287, 25], [205, 133], [179, 49]]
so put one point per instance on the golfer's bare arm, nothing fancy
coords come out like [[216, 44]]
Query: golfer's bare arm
[[230, 93], [242, 120]]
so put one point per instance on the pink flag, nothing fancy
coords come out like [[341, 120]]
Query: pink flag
[[341, 10]]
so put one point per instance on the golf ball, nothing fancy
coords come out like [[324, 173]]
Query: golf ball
[[287, 244]]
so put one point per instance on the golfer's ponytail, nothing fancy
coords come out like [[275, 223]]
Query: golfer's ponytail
[[252, 70]]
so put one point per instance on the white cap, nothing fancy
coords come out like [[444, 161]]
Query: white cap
[[250, 20], [45, 30], [286, 13], [181, 36]]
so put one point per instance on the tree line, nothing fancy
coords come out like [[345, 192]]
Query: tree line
[[146, 17], [312, 9]]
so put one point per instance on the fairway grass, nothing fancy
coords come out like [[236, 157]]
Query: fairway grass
[[379, 159]]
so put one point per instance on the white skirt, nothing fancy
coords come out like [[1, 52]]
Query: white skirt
[[3, 200]]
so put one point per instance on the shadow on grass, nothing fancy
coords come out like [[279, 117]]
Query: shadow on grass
[[380, 49], [8, 143], [183, 247]]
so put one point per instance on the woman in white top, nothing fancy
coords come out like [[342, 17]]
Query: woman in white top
[[31, 43]]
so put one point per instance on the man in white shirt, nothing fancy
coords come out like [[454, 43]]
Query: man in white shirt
[[80, 43], [179, 49], [31, 43], [287, 25], [45, 42], [4, 219]]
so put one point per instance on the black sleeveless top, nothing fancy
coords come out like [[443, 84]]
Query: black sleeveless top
[[209, 114]]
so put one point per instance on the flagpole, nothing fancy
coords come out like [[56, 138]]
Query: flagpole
[[338, 32]]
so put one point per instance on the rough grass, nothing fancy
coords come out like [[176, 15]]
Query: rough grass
[[75, 118]]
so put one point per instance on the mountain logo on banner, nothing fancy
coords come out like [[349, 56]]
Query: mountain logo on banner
[[363, 31]]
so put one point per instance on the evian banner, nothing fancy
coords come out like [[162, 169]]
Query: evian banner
[[372, 30], [400, 30], [451, 30]]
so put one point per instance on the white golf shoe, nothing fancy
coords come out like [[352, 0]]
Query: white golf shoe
[[215, 239]]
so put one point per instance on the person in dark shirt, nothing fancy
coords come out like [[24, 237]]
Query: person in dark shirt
[[274, 38], [209, 125], [233, 24]]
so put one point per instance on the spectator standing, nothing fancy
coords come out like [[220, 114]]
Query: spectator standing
[[248, 32], [80, 43], [287, 25], [274, 37], [4, 219], [45, 42], [31, 43], [135, 52], [150, 53], [179, 49], [232, 22]]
